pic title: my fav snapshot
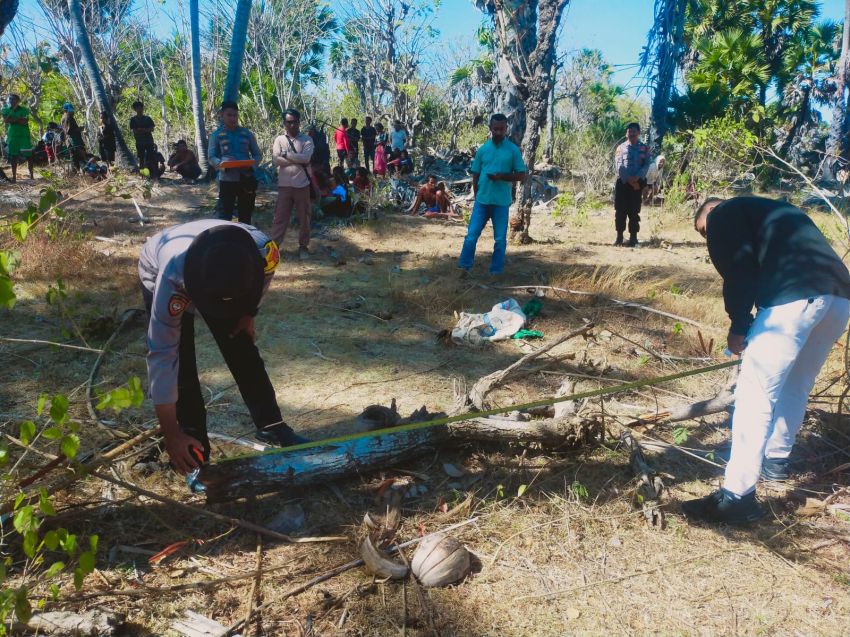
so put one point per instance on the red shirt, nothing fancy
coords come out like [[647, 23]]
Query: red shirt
[[341, 139]]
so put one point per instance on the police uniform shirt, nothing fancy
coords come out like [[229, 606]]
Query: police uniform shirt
[[238, 143], [161, 266]]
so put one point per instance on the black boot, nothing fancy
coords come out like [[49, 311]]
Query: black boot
[[633, 242], [279, 436], [619, 240], [723, 506], [775, 469]]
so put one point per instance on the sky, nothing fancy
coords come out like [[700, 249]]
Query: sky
[[617, 27]]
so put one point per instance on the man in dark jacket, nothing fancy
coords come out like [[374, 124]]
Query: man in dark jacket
[[771, 256]]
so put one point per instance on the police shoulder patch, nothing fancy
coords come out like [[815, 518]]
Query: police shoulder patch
[[176, 304], [272, 256]]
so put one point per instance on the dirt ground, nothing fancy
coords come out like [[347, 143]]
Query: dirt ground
[[357, 324]]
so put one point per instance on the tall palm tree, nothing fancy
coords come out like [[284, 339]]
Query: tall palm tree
[[237, 50], [836, 144], [123, 156], [197, 104]]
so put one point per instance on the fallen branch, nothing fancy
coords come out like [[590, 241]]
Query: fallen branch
[[650, 486], [126, 317], [645, 308], [484, 384], [36, 341], [200, 511]]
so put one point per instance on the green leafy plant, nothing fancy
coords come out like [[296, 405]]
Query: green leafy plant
[[579, 490], [681, 435]]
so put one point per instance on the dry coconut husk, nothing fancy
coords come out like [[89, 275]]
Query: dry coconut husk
[[439, 561]]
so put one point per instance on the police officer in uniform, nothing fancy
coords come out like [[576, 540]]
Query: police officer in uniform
[[220, 270], [237, 187]]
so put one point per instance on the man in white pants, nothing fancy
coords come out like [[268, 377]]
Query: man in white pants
[[771, 256]]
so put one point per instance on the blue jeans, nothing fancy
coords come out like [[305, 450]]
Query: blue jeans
[[481, 212]]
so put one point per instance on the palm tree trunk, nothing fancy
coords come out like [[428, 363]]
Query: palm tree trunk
[[836, 145], [237, 50], [197, 105], [123, 156], [801, 118], [667, 34]]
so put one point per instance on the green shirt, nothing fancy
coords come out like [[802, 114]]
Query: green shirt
[[496, 158]]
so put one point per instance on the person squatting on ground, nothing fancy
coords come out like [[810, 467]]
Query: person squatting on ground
[[369, 136], [53, 139], [142, 127], [497, 165], [771, 256], [435, 200], [154, 163], [237, 187], [341, 142], [631, 162], [220, 270], [184, 162], [291, 153], [16, 116]]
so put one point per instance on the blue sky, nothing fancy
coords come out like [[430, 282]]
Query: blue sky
[[617, 27]]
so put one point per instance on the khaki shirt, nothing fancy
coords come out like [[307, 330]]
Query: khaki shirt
[[292, 165]]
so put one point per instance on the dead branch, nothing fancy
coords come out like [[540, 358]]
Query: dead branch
[[196, 511], [486, 383], [650, 487]]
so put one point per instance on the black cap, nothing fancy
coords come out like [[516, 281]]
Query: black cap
[[224, 272]]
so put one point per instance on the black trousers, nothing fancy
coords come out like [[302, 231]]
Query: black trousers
[[627, 202], [239, 195], [368, 154], [142, 151], [242, 358]]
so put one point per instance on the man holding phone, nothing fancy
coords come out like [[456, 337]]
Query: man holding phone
[[497, 165]]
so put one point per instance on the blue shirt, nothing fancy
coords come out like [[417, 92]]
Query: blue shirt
[[238, 143], [505, 157]]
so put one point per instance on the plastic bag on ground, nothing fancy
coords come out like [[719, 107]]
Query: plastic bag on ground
[[500, 323]]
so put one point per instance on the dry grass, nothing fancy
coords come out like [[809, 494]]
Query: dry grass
[[571, 555]]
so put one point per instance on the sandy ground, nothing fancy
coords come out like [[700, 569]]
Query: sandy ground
[[356, 325]]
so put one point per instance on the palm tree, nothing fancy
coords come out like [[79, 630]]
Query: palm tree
[[810, 62], [836, 144], [8, 8], [237, 50], [123, 156], [732, 62], [197, 105]]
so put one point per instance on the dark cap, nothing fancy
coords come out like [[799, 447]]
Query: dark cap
[[224, 273]]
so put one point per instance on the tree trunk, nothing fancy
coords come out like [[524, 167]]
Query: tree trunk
[[667, 34], [197, 104], [836, 145], [123, 156], [549, 150], [526, 35], [8, 8], [800, 120], [237, 50]]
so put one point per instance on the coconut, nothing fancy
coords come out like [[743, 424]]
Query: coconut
[[439, 561]]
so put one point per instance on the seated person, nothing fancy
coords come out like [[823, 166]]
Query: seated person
[[155, 163], [53, 139], [338, 203], [402, 164], [436, 211], [435, 200], [361, 181], [184, 162], [340, 175]]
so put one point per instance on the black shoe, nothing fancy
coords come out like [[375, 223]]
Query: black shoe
[[724, 507], [775, 469], [619, 240], [633, 242], [280, 436]]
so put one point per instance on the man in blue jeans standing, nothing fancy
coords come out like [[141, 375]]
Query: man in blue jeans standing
[[497, 166]]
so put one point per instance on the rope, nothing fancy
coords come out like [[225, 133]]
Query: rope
[[437, 422]]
